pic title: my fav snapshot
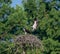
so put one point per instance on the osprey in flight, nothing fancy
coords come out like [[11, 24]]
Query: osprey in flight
[[35, 24], [34, 27]]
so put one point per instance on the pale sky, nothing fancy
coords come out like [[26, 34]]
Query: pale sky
[[16, 2]]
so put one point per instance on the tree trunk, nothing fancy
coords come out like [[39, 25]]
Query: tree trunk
[[23, 52]]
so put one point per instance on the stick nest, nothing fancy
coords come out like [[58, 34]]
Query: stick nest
[[28, 41]]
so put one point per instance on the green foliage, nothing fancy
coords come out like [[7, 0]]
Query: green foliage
[[6, 47], [5, 11], [12, 22], [48, 25], [16, 21], [51, 46]]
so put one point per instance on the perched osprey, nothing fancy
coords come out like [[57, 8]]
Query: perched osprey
[[26, 31]]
